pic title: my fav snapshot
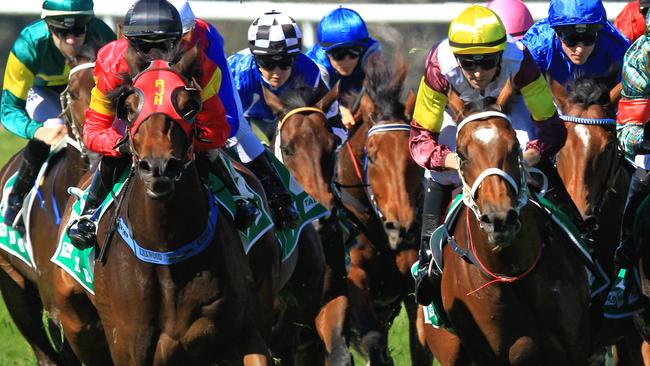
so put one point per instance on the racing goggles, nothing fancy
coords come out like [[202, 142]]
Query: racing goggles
[[340, 53], [65, 32], [270, 62], [484, 61], [571, 39], [145, 45]]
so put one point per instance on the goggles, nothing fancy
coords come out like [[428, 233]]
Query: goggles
[[268, 62], [145, 45], [473, 62], [64, 32], [340, 53], [573, 38]]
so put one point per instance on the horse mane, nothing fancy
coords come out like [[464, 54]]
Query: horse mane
[[587, 90], [300, 94], [383, 84], [481, 105]]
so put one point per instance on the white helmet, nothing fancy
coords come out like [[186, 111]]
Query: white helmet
[[187, 15]]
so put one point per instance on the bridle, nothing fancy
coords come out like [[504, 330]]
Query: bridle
[[66, 111], [278, 135], [469, 192]]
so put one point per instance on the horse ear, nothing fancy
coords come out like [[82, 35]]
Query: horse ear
[[455, 104], [366, 107], [272, 100], [120, 31], [329, 98], [559, 93], [615, 94], [188, 64], [504, 96], [409, 104]]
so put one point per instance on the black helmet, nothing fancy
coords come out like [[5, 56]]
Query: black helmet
[[153, 20]]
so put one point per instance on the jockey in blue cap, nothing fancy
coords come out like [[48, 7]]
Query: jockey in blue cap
[[575, 40], [343, 49]]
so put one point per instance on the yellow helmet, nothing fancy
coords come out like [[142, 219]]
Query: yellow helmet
[[477, 30]]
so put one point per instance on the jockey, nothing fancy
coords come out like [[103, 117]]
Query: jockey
[[342, 51], [249, 147], [631, 20], [515, 16], [35, 75], [153, 30], [273, 60], [575, 40], [476, 61], [633, 116]]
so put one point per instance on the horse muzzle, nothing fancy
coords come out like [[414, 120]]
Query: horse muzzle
[[501, 227], [159, 176]]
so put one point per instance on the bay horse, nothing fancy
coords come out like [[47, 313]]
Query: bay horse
[[593, 169], [512, 288], [198, 304], [306, 143], [27, 291], [380, 187]]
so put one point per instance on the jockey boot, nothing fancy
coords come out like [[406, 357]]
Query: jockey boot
[[246, 211], [83, 232], [626, 254], [424, 290], [24, 182], [285, 213]]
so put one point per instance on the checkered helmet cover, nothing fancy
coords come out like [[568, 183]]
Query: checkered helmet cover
[[274, 33]]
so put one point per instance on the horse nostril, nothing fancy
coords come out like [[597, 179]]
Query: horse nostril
[[172, 167], [511, 217], [144, 165], [486, 219], [390, 225]]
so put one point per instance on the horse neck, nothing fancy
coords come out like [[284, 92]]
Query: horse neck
[[512, 260], [356, 142], [166, 225]]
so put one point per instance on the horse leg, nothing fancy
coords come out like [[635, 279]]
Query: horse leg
[[25, 308], [420, 355], [330, 321], [80, 321], [445, 346]]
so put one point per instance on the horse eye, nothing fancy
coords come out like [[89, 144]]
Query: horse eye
[[371, 158], [286, 150]]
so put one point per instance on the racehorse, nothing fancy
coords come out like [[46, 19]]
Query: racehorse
[[512, 288], [21, 283], [592, 167], [381, 188], [306, 143], [197, 303]]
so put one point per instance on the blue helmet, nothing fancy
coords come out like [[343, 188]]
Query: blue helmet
[[566, 13], [342, 27]]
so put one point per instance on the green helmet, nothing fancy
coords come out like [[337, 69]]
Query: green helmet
[[67, 13]]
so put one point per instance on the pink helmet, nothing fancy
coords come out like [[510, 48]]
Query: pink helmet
[[514, 14]]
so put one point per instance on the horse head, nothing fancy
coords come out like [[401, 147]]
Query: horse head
[[393, 177], [160, 105], [491, 168], [306, 140], [588, 109]]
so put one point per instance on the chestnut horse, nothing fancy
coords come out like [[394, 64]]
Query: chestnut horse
[[307, 146], [197, 303], [593, 169], [381, 188], [513, 290], [21, 284]]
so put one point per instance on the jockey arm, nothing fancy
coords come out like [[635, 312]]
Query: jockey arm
[[427, 118], [17, 82], [539, 101], [634, 106], [212, 127]]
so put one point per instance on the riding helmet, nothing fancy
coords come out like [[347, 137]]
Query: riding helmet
[[515, 16], [274, 33], [67, 13], [477, 30], [340, 28], [153, 19], [186, 13]]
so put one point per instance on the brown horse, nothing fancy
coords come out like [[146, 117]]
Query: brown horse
[[512, 288], [197, 307], [381, 188], [21, 284], [592, 166], [307, 146]]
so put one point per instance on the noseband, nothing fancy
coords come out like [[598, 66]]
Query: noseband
[[469, 192]]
